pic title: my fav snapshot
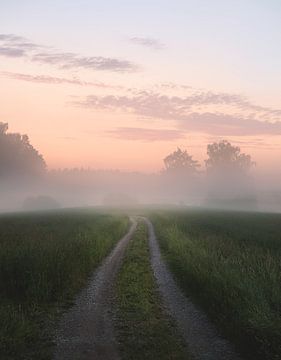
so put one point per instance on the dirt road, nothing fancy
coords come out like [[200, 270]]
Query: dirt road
[[86, 331], [200, 335]]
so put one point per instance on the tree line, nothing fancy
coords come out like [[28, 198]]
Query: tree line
[[222, 157], [19, 158]]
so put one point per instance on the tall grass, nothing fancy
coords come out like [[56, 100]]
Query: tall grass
[[230, 263], [44, 260]]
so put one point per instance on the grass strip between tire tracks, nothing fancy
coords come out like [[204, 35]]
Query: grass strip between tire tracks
[[144, 329]]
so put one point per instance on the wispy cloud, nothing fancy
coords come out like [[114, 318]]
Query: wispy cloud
[[12, 38], [147, 135], [11, 52], [255, 144], [68, 138], [45, 79], [71, 60], [183, 111], [161, 105], [148, 42], [221, 124], [149, 100], [15, 46]]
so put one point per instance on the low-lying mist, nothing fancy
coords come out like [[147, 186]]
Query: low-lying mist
[[229, 180], [83, 188]]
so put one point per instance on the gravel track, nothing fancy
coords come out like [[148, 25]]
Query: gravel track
[[201, 336], [86, 330]]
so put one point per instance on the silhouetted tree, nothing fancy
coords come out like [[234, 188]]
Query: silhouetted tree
[[229, 182], [225, 157], [179, 162], [17, 156], [179, 176]]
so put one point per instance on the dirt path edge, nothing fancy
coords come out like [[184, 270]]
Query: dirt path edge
[[200, 335], [86, 330]]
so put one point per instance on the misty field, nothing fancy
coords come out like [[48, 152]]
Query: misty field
[[230, 264], [44, 260]]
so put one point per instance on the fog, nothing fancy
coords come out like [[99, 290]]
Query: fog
[[229, 180], [82, 188]]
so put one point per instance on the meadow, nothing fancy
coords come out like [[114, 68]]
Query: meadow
[[230, 264], [45, 259]]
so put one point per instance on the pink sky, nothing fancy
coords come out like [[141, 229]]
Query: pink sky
[[122, 97]]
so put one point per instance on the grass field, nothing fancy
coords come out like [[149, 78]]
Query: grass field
[[230, 264], [144, 329], [44, 260]]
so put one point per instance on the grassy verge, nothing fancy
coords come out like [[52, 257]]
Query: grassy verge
[[44, 260], [144, 329], [230, 264]]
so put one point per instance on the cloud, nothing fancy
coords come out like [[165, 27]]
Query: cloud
[[148, 135], [12, 38], [148, 42], [255, 144], [181, 110], [71, 60], [15, 46], [147, 102], [221, 124], [171, 86], [68, 138], [45, 79], [11, 52]]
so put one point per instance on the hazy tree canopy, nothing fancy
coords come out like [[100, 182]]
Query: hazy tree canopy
[[230, 185], [225, 157], [180, 162], [17, 156]]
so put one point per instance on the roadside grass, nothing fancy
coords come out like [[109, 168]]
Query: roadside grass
[[45, 258], [144, 330], [230, 264]]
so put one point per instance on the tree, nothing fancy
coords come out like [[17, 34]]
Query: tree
[[228, 180], [179, 177], [17, 156], [180, 162], [225, 157]]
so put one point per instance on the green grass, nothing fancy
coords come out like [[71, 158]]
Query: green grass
[[44, 260], [144, 329], [230, 263]]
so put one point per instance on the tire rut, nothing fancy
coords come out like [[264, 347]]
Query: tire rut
[[86, 330], [199, 333]]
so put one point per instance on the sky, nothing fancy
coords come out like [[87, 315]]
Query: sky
[[121, 84]]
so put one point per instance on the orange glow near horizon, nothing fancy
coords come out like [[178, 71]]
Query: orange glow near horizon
[[70, 136], [118, 100]]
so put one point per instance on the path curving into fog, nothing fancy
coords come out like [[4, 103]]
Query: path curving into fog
[[201, 337], [86, 330]]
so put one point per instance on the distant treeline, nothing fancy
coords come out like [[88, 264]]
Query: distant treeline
[[224, 181]]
